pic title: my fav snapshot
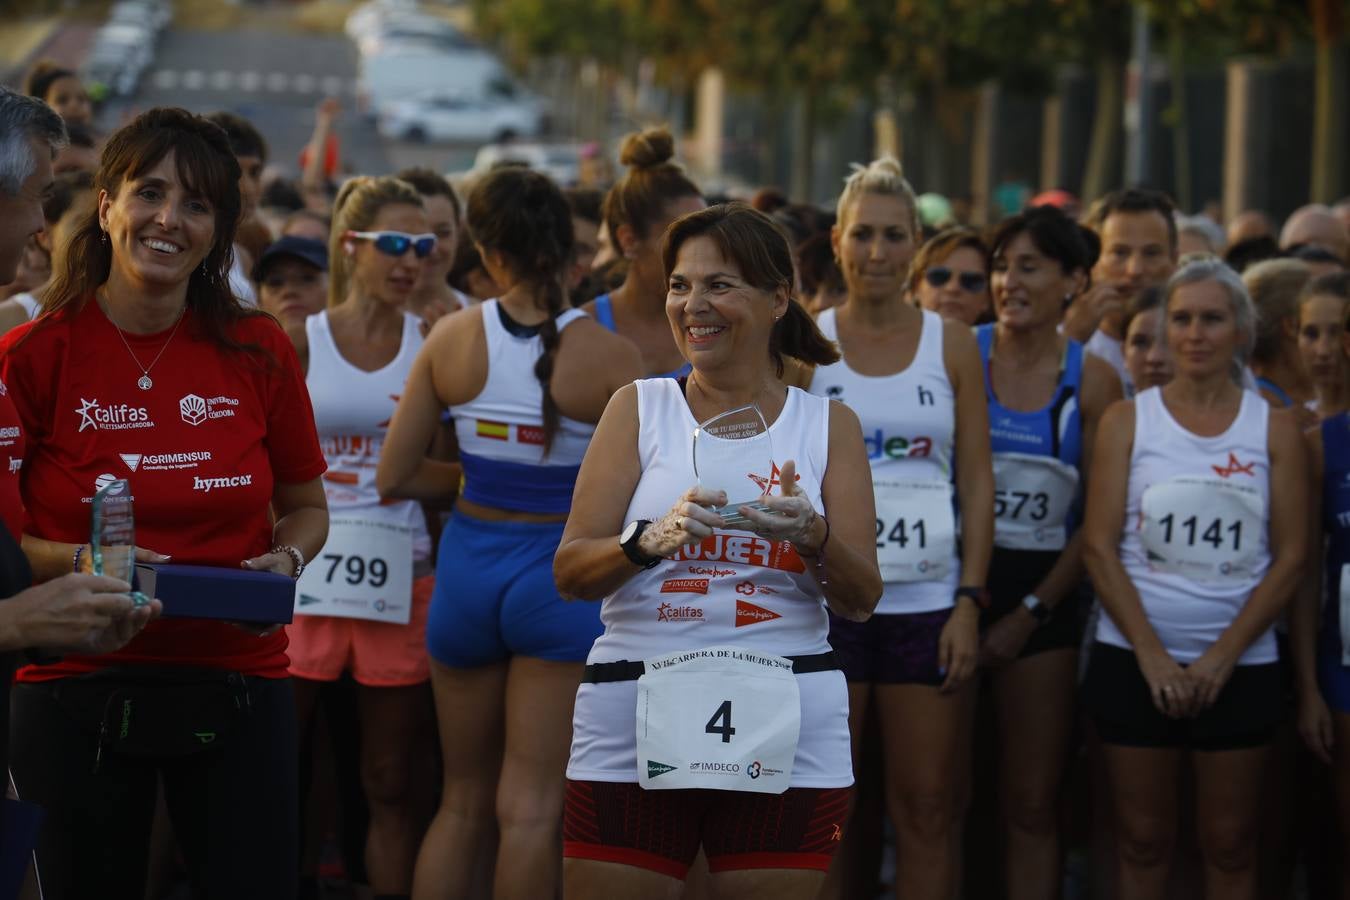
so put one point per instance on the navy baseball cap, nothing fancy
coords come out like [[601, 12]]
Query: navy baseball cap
[[306, 249]]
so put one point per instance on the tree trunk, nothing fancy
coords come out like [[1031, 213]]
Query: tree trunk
[[803, 146], [1181, 136], [1103, 164], [1329, 105]]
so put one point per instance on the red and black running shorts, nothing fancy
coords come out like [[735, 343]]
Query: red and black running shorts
[[662, 831]]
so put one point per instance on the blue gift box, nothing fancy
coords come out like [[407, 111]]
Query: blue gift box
[[210, 592]]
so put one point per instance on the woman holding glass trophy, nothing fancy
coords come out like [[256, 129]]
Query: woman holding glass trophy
[[915, 383], [716, 594], [147, 386]]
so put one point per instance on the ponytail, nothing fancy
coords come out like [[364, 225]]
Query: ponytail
[[543, 367], [797, 335], [522, 215]]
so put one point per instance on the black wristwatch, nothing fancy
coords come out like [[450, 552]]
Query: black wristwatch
[[628, 543], [1039, 611], [979, 594]]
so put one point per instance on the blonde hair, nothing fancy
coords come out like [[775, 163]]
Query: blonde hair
[[358, 203], [881, 176], [1274, 286]]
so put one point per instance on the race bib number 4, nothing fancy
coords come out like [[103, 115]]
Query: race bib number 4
[[916, 529], [364, 572], [1032, 498], [722, 718], [1203, 528]]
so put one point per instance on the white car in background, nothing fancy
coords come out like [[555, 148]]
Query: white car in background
[[413, 72], [119, 55], [153, 14], [561, 162], [460, 118], [368, 17], [425, 33]]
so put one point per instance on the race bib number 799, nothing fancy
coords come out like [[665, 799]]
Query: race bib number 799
[[363, 572]]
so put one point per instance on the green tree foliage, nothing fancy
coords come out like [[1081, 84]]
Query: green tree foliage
[[845, 45]]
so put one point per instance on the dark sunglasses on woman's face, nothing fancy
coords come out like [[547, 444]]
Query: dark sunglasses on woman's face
[[971, 282], [397, 243]]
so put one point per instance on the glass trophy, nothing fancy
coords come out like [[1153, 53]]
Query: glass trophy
[[733, 453], [112, 536]]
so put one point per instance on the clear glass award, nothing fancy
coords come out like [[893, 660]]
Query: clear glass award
[[112, 535], [733, 453]]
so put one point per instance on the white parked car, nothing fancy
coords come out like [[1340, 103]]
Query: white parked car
[[403, 30], [415, 72], [561, 162], [439, 116], [368, 16], [120, 54], [152, 14]]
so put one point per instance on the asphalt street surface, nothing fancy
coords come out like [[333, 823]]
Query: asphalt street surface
[[275, 80]]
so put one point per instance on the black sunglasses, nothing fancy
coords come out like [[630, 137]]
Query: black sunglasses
[[971, 282]]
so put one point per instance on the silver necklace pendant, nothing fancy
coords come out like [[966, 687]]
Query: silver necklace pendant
[[144, 383]]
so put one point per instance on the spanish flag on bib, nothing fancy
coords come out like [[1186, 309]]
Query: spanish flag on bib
[[502, 431]]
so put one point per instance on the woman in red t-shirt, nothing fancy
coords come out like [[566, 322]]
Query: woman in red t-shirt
[[147, 368]]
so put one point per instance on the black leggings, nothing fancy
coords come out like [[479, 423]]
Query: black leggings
[[233, 807]]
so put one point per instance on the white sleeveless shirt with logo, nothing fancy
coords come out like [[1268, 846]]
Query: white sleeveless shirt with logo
[[909, 429], [734, 589], [352, 409], [1196, 537], [501, 431]]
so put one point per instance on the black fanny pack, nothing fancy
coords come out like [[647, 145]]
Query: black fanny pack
[[155, 712]]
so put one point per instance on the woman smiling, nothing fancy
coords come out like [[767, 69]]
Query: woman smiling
[[147, 368]]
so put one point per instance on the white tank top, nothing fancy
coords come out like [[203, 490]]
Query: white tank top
[[735, 589], [505, 421], [1196, 537], [909, 429], [30, 304], [1111, 351], [352, 409]]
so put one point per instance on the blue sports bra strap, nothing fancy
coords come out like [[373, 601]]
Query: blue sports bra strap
[[1073, 365], [984, 337], [1266, 384], [604, 311]]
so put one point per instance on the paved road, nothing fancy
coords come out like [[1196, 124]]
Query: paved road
[[275, 80]]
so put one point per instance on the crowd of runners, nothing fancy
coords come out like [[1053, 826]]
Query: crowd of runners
[[1033, 548]]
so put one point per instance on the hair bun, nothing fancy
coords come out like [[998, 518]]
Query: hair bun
[[648, 148], [888, 165]]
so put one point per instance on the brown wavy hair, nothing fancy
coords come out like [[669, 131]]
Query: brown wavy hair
[[942, 245], [760, 251], [207, 167]]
